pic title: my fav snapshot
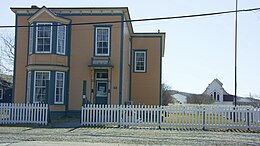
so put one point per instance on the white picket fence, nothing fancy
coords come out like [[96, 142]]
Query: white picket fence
[[13, 113], [171, 116]]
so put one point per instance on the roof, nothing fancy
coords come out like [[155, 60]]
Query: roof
[[5, 83], [220, 83], [73, 10], [50, 13], [159, 34], [34, 11]]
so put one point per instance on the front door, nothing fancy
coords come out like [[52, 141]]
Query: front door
[[101, 92]]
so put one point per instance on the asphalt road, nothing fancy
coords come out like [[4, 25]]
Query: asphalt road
[[14, 136]]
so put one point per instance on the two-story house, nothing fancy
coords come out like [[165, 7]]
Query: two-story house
[[67, 57]]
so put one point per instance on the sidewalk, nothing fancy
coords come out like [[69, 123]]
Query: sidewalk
[[71, 124], [65, 123], [59, 143]]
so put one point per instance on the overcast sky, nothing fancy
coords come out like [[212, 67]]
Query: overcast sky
[[198, 50]]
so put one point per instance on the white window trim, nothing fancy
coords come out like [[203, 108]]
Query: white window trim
[[129, 53], [62, 53], [2, 93], [36, 45], [31, 29], [144, 52], [108, 51], [35, 82], [28, 89], [55, 102]]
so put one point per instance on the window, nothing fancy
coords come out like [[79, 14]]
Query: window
[[43, 38], [1, 93], [40, 86], [61, 39], [59, 88], [129, 53], [28, 90], [140, 61], [102, 41], [31, 39], [101, 75]]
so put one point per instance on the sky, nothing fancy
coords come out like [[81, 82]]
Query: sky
[[197, 50]]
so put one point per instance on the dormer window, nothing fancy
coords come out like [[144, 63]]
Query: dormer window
[[43, 37]]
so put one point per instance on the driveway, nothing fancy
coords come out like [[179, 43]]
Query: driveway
[[14, 136]]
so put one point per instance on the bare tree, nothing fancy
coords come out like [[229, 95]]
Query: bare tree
[[199, 99], [166, 95], [7, 46]]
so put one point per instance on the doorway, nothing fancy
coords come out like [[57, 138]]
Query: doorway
[[101, 88]]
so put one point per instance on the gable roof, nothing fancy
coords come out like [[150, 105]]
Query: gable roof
[[220, 83], [50, 13]]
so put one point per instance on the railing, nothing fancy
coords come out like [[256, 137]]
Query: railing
[[12, 113], [171, 116]]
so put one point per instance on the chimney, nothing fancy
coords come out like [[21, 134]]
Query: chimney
[[34, 7], [158, 30]]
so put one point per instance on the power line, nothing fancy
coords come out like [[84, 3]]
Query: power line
[[147, 19]]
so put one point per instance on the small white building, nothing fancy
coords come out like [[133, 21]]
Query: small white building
[[218, 93], [180, 98]]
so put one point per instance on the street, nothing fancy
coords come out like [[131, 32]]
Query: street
[[14, 136]]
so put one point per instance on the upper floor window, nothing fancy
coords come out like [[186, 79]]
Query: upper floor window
[[102, 44], [215, 96], [31, 39], [43, 38], [140, 61], [129, 52], [61, 39]]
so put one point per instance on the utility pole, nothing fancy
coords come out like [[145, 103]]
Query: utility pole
[[235, 100]]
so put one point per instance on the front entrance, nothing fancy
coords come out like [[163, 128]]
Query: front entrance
[[101, 88], [101, 92]]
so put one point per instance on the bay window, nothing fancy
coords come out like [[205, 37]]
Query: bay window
[[59, 88], [40, 86], [61, 39], [31, 39], [43, 37], [28, 90]]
